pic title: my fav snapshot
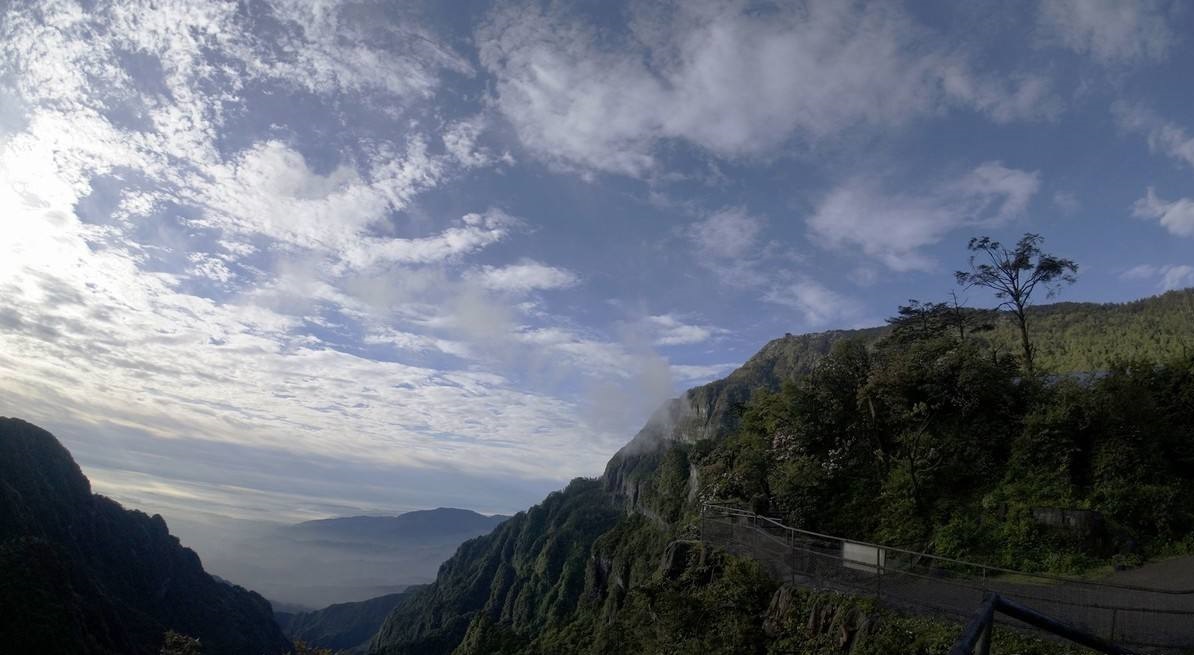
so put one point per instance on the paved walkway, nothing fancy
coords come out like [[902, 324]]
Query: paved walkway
[[1130, 607], [1172, 574]]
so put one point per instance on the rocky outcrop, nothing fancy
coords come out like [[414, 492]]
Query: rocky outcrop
[[823, 617], [679, 556]]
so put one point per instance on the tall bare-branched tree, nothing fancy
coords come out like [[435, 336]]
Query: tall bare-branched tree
[[1014, 275]]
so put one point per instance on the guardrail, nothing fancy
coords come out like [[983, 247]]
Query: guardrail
[[976, 638], [1139, 616]]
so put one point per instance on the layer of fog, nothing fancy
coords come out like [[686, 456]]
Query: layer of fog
[[296, 573]]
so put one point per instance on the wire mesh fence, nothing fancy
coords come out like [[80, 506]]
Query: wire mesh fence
[[919, 582]]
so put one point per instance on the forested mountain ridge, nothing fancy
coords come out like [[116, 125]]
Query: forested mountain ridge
[[343, 626], [772, 434], [1071, 337], [82, 575]]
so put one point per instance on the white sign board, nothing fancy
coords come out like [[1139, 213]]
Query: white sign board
[[862, 557]]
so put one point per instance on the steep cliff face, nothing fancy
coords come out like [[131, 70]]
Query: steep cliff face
[[591, 542], [84, 575], [529, 572], [711, 410]]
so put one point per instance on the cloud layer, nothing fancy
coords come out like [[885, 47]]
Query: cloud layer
[[365, 240], [729, 79]]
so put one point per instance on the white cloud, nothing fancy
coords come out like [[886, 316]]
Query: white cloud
[[1169, 277], [270, 191], [590, 356], [1163, 136], [328, 50], [728, 243], [864, 276], [1141, 272], [92, 336], [461, 141], [1176, 216], [102, 320], [728, 234], [894, 227], [211, 268], [819, 305], [475, 232], [1067, 203], [1112, 31], [672, 331], [525, 276], [690, 374], [1177, 277], [732, 81], [411, 341]]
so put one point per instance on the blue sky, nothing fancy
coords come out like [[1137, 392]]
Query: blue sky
[[289, 259]]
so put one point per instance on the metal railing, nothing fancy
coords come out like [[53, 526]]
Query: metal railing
[[1142, 617], [976, 638]]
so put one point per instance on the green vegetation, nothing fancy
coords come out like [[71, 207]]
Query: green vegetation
[[1014, 275], [527, 574], [925, 432], [176, 644], [705, 602], [937, 445]]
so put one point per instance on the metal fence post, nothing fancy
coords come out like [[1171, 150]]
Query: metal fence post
[[792, 557], [878, 573], [984, 641]]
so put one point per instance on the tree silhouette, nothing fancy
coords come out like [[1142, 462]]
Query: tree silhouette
[[1014, 275]]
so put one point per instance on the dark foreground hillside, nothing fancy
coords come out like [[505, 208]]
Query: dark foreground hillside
[[343, 626], [81, 575], [918, 437]]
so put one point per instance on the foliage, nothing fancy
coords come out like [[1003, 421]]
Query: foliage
[[1014, 275], [176, 644], [343, 625], [926, 434], [529, 573], [935, 444], [817, 623]]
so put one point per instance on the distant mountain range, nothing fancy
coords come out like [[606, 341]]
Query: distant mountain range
[[432, 526], [425, 537], [319, 563], [81, 575]]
